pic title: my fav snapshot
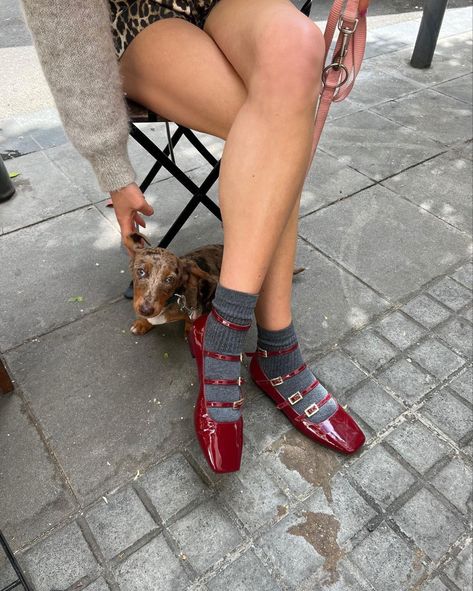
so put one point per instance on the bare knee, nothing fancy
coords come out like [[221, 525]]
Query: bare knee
[[289, 61]]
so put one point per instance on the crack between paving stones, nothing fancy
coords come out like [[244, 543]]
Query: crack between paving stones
[[44, 439], [53, 217], [53, 329]]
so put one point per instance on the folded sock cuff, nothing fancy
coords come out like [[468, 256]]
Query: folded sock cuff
[[276, 339], [234, 306]]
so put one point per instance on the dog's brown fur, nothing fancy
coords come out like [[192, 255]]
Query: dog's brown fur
[[158, 274]]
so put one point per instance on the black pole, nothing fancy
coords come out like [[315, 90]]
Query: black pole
[[6, 186], [429, 30]]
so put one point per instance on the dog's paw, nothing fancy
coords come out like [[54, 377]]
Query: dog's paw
[[141, 326]]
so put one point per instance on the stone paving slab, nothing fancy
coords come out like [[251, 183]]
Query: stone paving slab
[[407, 380], [152, 567], [25, 459], [207, 522], [390, 244], [346, 305], [400, 570], [61, 560], [368, 143], [428, 186], [433, 536], [374, 85], [328, 181], [150, 394], [119, 522], [244, 574], [451, 125], [50, 265], [42, 192], [460, 90], [417, 445]]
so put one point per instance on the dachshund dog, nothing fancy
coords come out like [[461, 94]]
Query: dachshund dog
[[167, 288]]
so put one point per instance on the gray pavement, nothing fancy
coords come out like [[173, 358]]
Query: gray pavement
[[102, 484]]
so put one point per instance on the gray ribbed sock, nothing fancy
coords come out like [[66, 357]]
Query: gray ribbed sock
[[279, 365], [236, 307]]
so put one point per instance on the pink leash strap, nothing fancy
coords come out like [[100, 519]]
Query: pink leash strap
[[339, 75]]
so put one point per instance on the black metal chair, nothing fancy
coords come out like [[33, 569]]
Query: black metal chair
[[19, 582], [165, 158]]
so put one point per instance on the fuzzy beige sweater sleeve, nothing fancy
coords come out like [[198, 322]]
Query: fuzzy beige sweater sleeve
[[74, 43]]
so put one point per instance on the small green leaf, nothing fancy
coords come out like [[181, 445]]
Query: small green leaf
[[76, 299], [14, 174]]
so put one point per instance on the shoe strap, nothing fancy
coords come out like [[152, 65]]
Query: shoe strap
[[313, 408], [215, 404], [227, 323], [265, 353], [297, 396], [238, 382], [277, 381], [223, 357]]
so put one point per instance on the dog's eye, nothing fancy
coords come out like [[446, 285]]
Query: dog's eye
[[140, 273], [169, 279]]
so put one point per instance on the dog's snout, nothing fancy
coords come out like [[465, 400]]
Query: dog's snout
[[146, 309]]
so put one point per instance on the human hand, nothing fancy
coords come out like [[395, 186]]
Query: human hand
[[128, 203]]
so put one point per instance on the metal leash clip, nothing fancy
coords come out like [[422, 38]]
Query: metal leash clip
[[183, 307], [338, 64]]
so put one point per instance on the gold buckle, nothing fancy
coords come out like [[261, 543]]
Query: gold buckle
[[276, 381], [263, 352], [312, 409], [294, 398], [241, 357], [238, 403]]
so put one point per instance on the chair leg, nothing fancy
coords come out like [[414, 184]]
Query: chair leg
[[158, 165], [199, 146], [170, 144], [306, 8], [179, 175]]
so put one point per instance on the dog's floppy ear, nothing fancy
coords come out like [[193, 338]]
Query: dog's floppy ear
[[192, 272], [136, 241], [201, 285]]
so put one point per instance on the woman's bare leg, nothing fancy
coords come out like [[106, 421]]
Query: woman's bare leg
[[172, 55], [278, 54], [177, 70]]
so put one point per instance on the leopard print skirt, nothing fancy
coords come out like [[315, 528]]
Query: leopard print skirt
[[128, 18]]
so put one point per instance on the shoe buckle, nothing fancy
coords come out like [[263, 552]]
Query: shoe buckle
[[312, 410], [238, 403], [294, 398], [276, 381]]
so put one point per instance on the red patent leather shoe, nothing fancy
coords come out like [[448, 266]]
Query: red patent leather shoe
[[221, 442], [339, 432]]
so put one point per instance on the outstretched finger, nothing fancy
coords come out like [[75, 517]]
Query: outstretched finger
[[146, 208], [139, 220]]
